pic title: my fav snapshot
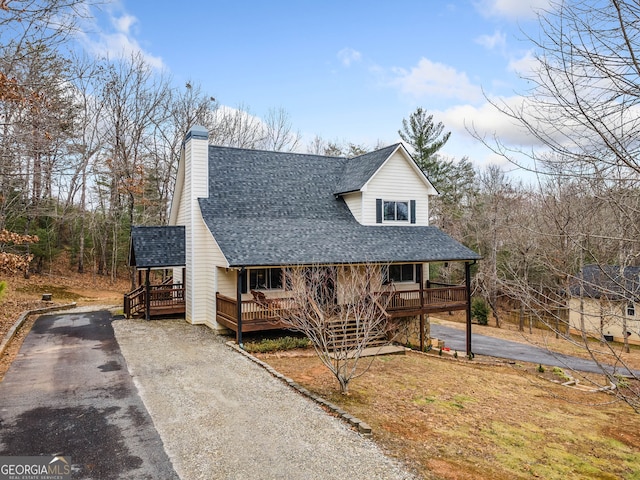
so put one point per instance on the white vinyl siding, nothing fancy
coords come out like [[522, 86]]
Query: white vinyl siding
[[397, 180], [354, 202], [227, 281], [200, 249], [199, 241], [178, 194]]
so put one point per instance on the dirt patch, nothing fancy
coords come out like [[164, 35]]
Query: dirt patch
[[455, 419]]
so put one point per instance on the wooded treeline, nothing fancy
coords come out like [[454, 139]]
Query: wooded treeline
[[90, 146]]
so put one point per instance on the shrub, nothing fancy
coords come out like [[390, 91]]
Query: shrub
[[480, 311], [267, 345], [3, 286], [621, 381], [557, 371]]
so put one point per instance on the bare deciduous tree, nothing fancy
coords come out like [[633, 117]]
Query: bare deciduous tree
[[341, 310], [135, 100], [187, 107], [581, 113], [279, 135], [237, 127]]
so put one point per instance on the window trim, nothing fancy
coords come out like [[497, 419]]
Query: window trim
[[395, 220]]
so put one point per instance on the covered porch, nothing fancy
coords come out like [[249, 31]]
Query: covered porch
[[241, 314], [156, 249]]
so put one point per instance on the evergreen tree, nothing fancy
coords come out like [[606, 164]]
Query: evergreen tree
[[426, 138]]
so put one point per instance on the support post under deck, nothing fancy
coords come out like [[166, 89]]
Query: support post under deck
[[239, 306], [467, 281]]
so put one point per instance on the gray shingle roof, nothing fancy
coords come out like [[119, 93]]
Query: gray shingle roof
[[357, 171], [157, 247], [606, 281], [270, 208]]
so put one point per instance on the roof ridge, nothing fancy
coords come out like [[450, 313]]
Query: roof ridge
[[262, 150]]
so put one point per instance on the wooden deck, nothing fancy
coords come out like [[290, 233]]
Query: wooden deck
[[165, 299], [168, 299], [410, 303], [255, 317], [258, 317]]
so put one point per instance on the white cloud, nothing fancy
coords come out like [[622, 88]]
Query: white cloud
[[437, 80], [124, 23], [512, 9], [488, 122], [116, 39], [348, 56], [491, 42], [525, 66]]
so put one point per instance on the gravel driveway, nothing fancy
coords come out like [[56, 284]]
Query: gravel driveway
[[220, 416]]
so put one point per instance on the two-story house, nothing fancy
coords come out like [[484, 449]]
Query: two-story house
[[247, 215]]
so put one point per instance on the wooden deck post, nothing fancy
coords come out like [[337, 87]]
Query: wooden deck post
[[467, 281], [239, 306], [421, 309], [147, 297]]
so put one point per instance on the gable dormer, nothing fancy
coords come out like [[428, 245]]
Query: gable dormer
[[386, 187]]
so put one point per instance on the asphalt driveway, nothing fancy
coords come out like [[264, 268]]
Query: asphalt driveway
[[69, 392], [496, 347]]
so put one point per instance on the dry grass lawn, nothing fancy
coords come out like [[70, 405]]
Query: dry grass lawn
[[453, 419]]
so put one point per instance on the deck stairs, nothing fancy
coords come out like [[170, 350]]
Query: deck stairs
[[345, 338]]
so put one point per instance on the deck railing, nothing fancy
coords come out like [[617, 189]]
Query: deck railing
[[265, 315], [163, 299], [255, 315], [166, 295], [134, 302], [428, 300]]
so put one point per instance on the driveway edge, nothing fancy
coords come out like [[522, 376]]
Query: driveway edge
[[363, 428], [23, 316]]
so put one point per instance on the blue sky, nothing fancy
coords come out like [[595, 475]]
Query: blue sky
[[345, 70]]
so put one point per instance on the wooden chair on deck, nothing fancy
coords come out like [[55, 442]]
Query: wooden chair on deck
[[261, 299]]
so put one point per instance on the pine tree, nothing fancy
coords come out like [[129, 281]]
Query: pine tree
[[426, 138]]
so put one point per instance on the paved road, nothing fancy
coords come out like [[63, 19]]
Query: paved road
[[69, 392], [496, 347]]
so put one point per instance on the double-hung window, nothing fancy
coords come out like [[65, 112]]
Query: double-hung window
[[265, 279], [631, 310], [400, 273], [396, 211]]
